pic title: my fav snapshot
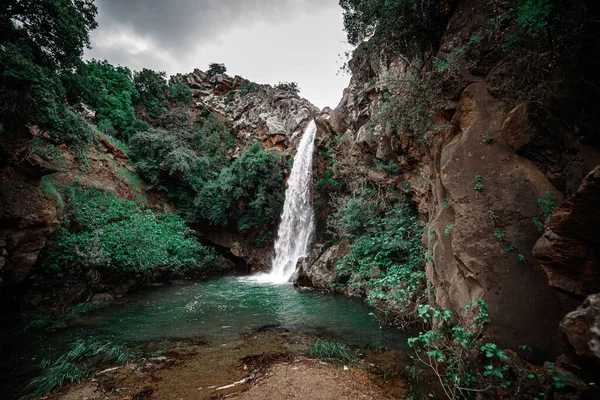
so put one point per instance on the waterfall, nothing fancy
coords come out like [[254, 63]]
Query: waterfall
[[298, 219]]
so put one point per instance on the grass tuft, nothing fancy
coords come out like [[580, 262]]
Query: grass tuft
[[332, 350]]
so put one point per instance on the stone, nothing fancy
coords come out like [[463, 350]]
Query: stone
[[102, 298], [532, 132], [319, 270], [581, 328], [471, 263], [569, 249], [27, 218]]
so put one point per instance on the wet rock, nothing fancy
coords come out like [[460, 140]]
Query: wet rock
[[582, 328], [568, 251], [102, 298], [319, 271]]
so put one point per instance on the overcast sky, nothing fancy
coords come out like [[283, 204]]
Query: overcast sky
[[266, 41]]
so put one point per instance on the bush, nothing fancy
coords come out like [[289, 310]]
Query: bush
[[192, 167], [152, 88], [469, 366], [387, 259], [216, 69], [409, 26], [118, 239], [291, 87], [249, 191]]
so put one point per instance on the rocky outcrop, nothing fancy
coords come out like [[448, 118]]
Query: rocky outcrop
[[570, 247], [581, 328], [27, 218], [484, 258], [273, 116], [482, 177], [319, 270]]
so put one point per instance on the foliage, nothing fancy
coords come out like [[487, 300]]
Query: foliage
[[50, 190], [478, 185], [116, 239], [152, 88], [332, 350], [255, 179], [68, 313], [111, 92], [469, 366], [291, 87], [408, 26], [192, 167], [75, 365], [248, 87], [448, 230], [216, 69], [547, 204], [534, 15], [386, 260], [179, 92], [412, 102]]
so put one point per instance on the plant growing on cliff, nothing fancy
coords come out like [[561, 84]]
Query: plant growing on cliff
[[291, 87], [387, 256], [547, 205], [216, 69], [469, 366]]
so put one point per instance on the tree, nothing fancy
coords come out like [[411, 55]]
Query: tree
[[216, 69], [40, 42], [409, 26], [152, 87], [291, 87]]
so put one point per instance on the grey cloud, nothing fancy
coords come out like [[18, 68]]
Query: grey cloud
[[262, 40], [182, 23]]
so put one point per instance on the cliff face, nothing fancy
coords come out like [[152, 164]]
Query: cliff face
[[481, 179]]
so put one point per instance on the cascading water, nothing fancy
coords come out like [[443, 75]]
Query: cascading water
[[298, 218]]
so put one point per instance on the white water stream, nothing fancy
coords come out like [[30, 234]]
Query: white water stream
[[298, 218]]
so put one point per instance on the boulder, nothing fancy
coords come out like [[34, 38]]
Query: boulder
[[581, 328], [102, 298], [319, 270]]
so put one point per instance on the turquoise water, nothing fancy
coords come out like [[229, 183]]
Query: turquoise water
[[213, 311]]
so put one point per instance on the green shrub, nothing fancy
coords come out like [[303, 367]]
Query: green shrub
[[408, 26], [118, 239], [50, 190], [152, 88], [387, 258], [216, 69], [291, 87], [534, 15], [248, 87], [412, 103], [547, 205]]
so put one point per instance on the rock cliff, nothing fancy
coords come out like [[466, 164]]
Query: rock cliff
[[479, 180]]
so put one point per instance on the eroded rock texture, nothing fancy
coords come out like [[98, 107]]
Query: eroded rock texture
[[582, 328], [569, 249]]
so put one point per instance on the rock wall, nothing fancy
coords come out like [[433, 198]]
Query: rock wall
[[482, 177]]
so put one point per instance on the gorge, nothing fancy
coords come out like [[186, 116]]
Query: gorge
[[206, 236]]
